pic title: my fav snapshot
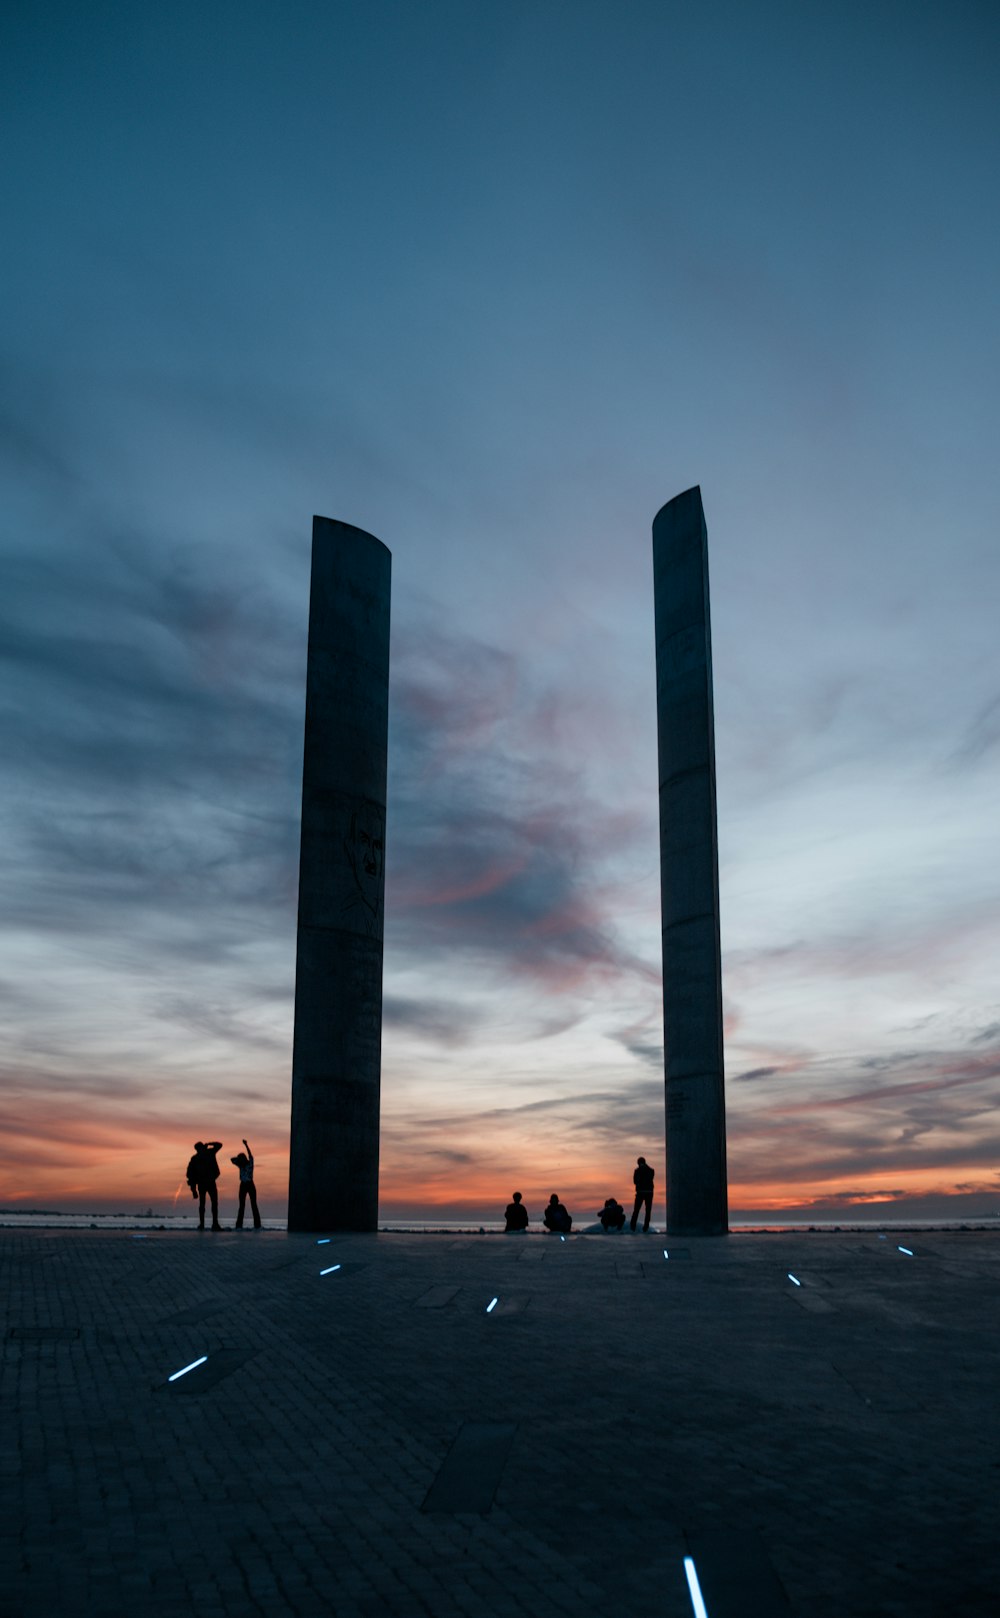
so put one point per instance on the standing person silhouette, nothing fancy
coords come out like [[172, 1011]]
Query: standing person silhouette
[[244, 1162], [516, 1215], [202, 1173], [642, 1179]]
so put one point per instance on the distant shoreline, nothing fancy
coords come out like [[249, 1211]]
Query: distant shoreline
[[52, 1219]]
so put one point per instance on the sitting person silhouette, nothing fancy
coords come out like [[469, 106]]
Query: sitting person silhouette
[[516, 1215], [556, 1218], [612, 1215], [244, 1163], [202, 1173]]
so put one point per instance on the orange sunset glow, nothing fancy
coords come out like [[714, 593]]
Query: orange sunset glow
[[104, 1167], [600, 306]]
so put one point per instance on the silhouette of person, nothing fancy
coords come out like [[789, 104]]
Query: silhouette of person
[[556, 1218], [516, 1215], [642, 1179], [202, 1173], [244, 1162], [612, 1215]]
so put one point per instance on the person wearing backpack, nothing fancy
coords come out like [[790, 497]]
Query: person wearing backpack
[[202, 1173]]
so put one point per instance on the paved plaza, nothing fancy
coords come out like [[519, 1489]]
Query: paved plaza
[[378, 1440]]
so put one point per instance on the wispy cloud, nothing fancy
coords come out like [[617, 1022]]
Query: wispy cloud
[[489, 855], [170, 418]]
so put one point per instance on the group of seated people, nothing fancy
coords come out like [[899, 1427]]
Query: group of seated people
[[556, 1217], [612, 1215]]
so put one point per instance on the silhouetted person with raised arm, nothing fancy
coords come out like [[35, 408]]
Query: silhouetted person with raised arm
[[202, 1173], [643, 1182], [516, 1215], [556, 1218], [612, 1215], [244, 1162]]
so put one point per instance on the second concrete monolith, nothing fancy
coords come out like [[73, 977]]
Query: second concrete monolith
[[697, 1201]]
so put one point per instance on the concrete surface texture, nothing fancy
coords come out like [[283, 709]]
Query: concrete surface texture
[[377, 1439], [336, 1059], [697, 1202]]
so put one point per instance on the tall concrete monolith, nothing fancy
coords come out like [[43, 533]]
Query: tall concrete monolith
[[697, 1203], [336, 1056]]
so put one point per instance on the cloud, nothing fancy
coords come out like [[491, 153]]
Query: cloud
[[981, 736], [489, 855], [28, 445], [948, 1074], [639, 1038], [932, 1113], [756, 1073], [838, 1198], [439, 1021], [990, 1035]]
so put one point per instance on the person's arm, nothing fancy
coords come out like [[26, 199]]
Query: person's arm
[[249, 1155]]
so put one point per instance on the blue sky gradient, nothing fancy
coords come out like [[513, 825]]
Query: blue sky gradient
[[494, 282]]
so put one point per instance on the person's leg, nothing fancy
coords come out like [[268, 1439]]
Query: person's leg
[[635, 1210], [243, 1203], [648, 1200], [213, 1193], [253, 1205], [201, 1207]]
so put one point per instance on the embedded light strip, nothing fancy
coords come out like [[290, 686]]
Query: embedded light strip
[[794, 1278], [665, 1253], [694, 1588], [907, 1250], [187, 1368], [324, 1241], [491, 1306], [330, 1270]]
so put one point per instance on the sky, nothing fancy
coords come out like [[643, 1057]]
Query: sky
[[494, 281]]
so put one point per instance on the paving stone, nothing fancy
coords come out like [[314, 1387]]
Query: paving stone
[[851, 1451]]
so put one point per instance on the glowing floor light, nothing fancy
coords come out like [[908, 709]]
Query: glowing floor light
[[324, 1241], [907, 1250], [187, 1368], [665, 1253], [330, 1270], [562, 1238], [794, 1278], [491, 1306], [697, 1600]]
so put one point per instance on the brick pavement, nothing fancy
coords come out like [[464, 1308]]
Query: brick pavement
[[829, 1450]]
